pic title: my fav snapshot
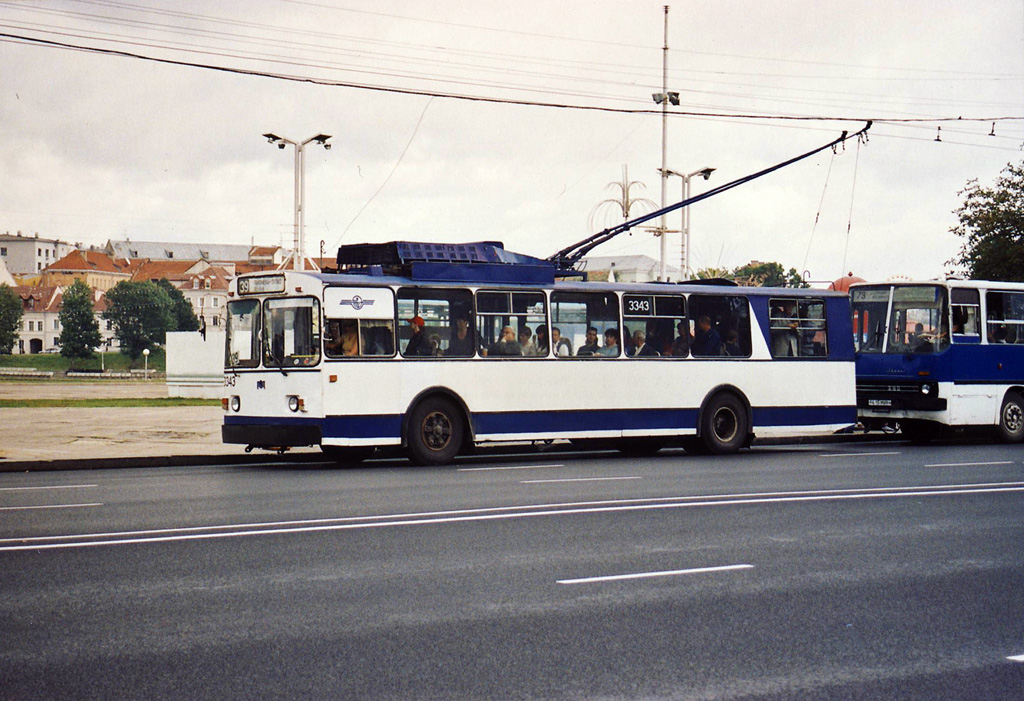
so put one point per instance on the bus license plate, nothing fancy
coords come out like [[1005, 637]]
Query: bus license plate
[[880, 404]]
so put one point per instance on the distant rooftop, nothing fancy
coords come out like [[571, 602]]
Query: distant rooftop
[[166, 250]]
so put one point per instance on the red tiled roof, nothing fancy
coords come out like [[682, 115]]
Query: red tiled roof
[[88, 261], [174, 270]]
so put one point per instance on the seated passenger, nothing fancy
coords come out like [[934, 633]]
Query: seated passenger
[[611, 344], [641, 348], [507, 345], [418, 343], [706, 340], [562, 346], [526, 341], [591, 347], [732, 343], [681, 342], [542, 340], [461, 344]]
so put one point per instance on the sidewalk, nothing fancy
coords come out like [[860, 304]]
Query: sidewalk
[[62, 438]]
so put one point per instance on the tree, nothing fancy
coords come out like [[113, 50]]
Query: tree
[[758, 274], [80, 332], [184, 316], [141, 314], [10, 318], [991, 224]]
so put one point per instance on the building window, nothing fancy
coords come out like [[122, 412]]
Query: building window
[[216, 301], [56, 324], [3, 250]]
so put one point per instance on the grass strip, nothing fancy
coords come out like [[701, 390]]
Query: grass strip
[[111, 402]]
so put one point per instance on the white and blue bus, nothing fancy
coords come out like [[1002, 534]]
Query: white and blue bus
[[935, 355], [436, 348]]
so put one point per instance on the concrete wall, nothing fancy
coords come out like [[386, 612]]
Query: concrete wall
[[195, 368]]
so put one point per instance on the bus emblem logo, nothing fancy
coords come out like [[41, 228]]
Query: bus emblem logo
[[357, 302]]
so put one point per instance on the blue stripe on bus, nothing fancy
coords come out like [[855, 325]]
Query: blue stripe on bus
[[577, 421]]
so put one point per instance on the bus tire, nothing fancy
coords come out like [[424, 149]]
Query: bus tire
[[724, 424], [436, 431], [1011, 419], [345, 455]]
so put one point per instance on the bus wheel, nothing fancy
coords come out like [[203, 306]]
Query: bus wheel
[[344, 455], [1011, 419], [435, 432], [724, 424]]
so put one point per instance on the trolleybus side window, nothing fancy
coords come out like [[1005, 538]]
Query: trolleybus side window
[[428, 321], [584, 320], [512, 323], [966, 316], [291, 332], [243, 334], [360, 321], [719, 326], [1005, 317], [798, 328], [650, 323]]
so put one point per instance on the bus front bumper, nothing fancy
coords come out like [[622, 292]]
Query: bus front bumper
[[271, 436]]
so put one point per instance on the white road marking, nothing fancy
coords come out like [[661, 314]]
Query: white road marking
[[46, 506], [644, 575], [582, 479], [506, 467], [855, 455], [971, 464], [489, 514], [61, 486], [1016, 658]]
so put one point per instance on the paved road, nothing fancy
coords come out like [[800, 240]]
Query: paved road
[[868, 571]]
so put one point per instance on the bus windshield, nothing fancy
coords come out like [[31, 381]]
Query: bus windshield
[[243, 334], [917, 321], [291, 332]]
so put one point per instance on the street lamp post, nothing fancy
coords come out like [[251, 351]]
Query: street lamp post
[[145, 355], [685, 228], [299, 254]]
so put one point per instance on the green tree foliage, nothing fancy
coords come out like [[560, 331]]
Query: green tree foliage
[[80, 332], [991, 224], [756, 274], [141, 313], [10, 318], [184, 316]]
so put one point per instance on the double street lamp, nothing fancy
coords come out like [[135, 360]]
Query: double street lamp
[[704, 173], [299, 254]]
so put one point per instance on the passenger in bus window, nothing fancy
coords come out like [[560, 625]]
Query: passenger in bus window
[[526, 341], [461, 344], [732, 343], [591, 347], [332, 340], [785, 341], [681, 342], [434, 341], [418, 344], [706, 340], [507, 345], [542, 340], [641, 349], [562, 346], [611, 344], [349, 338]]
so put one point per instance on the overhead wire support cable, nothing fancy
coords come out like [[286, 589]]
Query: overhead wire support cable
[[567, 258]]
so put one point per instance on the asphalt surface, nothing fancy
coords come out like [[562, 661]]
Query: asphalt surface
[[815, 572]]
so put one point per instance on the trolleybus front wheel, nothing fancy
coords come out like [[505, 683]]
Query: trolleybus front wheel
[[1011, 419], [436, 430], [724, 424]]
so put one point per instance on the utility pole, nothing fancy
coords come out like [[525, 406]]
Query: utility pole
[[664, 98]]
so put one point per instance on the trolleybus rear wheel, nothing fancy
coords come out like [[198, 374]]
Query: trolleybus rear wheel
[[436, 429], [724, 424], [1011, 419]]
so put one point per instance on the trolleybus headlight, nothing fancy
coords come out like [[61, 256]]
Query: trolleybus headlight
[[236, 403], [295, 404], [926, 389]]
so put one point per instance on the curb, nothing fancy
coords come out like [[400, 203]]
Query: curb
[[270, 458]]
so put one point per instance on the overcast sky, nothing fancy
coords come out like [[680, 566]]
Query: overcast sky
[[96, 146]]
